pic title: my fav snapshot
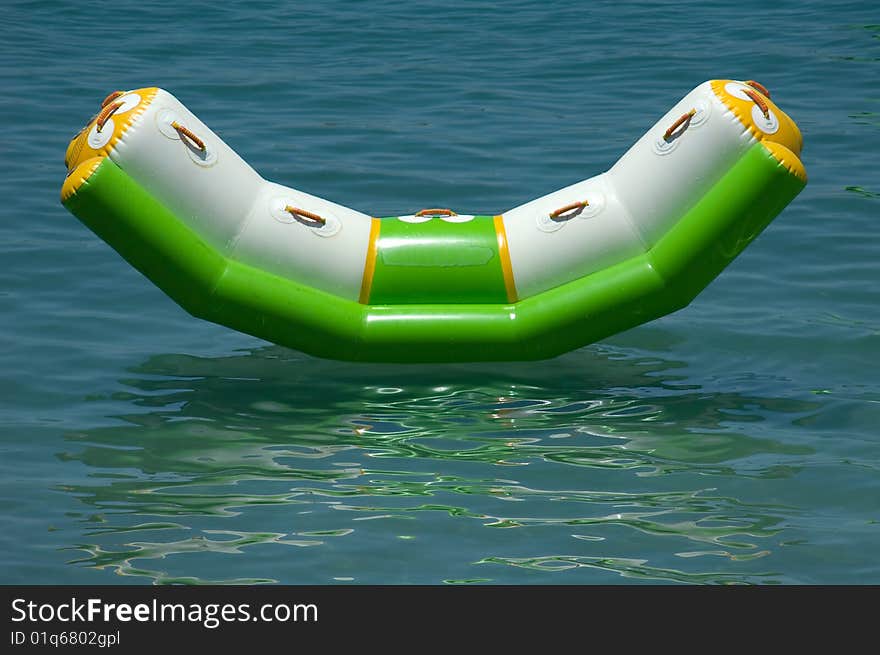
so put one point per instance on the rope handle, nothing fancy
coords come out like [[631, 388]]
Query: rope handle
[[436, 212], [757, 85], [188, 134], [580, 205], [111, 97], [685, 120], [299, 214], [105, 114], [758, 100]]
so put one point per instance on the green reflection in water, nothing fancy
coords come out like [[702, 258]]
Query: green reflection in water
[[121, 560], [312, 449], [863, 192], [628, 568]]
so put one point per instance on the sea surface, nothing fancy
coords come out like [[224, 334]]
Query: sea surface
[[736, 441]]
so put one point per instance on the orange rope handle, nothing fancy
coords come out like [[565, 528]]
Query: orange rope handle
[[757, 85], [574, 205], [296, 212], [186, 132], [684, 120], [105, 114], [110, 98], [758, 100], [435, 212]]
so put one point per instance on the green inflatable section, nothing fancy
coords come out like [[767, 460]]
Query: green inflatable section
[[438, 262], [572, 315]]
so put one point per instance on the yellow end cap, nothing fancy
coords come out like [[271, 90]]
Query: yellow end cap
[[78, 176], [788, 133], [79, 149], [786, 158]]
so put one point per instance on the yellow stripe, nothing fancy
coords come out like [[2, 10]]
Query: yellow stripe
[[504, 254], [370, 264]]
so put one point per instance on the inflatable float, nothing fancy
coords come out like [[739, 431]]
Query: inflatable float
[[570, 268]]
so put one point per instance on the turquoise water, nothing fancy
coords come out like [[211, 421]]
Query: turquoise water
[[736, 441]]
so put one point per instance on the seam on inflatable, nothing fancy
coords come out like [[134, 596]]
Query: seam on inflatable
[[232, 242], [608, 180]]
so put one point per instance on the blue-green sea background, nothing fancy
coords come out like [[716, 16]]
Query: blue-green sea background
[[736, 441]]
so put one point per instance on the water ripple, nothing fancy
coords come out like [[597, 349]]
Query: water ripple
[[267, 438]]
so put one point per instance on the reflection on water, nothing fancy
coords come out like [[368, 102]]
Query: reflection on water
[[596, 462]]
